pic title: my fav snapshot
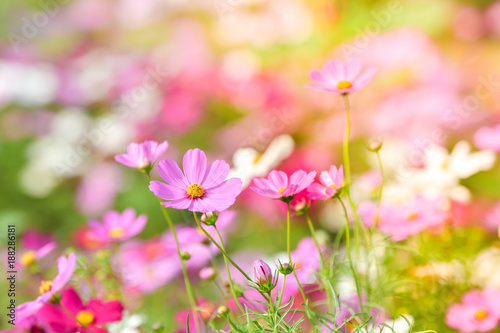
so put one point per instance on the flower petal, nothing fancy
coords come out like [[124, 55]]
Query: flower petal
[[217, 172], [223, 196], [195, 165], [171, 173], [166, 192]]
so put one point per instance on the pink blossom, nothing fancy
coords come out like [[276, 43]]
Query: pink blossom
[[406, 219], [93, 315], [330, 184], [117, 227], [142, 155], [488, 138], [479, 311], [30, 257], [342, 78], [262, 272], [66, 268], [277, 185], [199, 189]]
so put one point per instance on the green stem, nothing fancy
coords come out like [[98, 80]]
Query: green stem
[[321, 261], [189, 288], [348, 246], [282, 291], [379, 199], [288, 249], [229, 279]]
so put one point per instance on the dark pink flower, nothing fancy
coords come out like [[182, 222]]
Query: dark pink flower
[[93, 315], [277, 185], [342, 78], [142, 155], [330, 183], [117, 227], [198, 189]]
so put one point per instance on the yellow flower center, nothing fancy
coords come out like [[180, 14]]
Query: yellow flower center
[[45, 287], [195, 191], [28, 258], [257, 158], [412, 217], [116, 232], [344, 85], [480, 315], [281, 189], [85, 317]]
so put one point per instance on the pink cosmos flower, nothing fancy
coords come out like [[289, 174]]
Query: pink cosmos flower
[[262, 272], [26, 316], [117, 227], [66, 268], [142, 155], [330, 184], [403, 220], [199, 189], [479, 311], [342, 78], [95, 314], [28, 258], [488, 138], [277, 185]]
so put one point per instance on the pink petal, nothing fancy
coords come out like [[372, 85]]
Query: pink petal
[[182, 203], [364, 78], [46, 249], [166, 192], [171, 173], [336, 70], [278, 180], [105, 312], [224, 195], [353, 69], [217, 172], [71, 301], [195, 165]]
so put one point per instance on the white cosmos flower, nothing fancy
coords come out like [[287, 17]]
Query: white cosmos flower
[[249, 163], [441, 174]]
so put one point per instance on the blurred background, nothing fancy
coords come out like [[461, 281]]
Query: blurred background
[[81, 79]]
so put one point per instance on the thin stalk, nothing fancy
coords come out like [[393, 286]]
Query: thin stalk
[[288, 249], [321, 260], [189, 288], [282, 291], [348, 246], [380, 192], [230, 280]]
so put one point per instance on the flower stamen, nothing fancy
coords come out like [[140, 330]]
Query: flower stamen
[[480, 314], [28, 258], [195, 191], [45, 286], [85, 317], [344, 85], [116, 232]]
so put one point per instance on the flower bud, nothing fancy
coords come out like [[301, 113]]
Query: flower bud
[[301, 207], [209, 218], [285, 268], [185, 255], [262, 272], [207, 273], [222, 311], [374, 146]]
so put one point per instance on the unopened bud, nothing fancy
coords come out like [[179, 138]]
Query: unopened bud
[[374, 146], [185, 255], [207, 273], [222, 311], [209, 218], [285, 268], [301, 208]]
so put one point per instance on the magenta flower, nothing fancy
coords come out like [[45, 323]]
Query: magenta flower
[[479, 311], [66, 268], [117, 227], [342, 78], [199, 189], [93, 315], [277, 185], [330, 184], [142, 155], [262, 272]]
